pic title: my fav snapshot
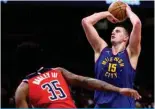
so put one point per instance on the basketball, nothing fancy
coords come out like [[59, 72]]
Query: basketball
[[118, 10]]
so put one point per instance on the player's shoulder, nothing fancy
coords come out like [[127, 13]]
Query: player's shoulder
[[29, 76], [22, 88], [23, 85], [106, 49], [59, 69]]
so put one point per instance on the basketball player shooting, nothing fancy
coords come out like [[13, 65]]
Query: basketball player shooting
[[115, 65]]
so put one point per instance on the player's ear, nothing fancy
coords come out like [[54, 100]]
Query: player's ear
[[126, 38]]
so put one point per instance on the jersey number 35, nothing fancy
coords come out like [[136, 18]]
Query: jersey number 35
[[52, 88]]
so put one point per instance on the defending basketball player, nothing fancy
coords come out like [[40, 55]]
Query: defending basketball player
[[48, 88], [115, 65]]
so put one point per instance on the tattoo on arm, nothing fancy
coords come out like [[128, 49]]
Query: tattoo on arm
[[87, 82], [99, 85]]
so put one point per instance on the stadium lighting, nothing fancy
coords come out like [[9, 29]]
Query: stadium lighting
[[130, 2]]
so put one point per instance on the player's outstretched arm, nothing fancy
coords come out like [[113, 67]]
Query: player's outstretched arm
[[21, 96], [94, 84], [93, 37], [135, 36]]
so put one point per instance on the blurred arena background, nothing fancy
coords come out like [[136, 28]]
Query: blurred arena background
[[53, 31]]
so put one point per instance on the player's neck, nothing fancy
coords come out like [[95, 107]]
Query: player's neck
[[118, 48]]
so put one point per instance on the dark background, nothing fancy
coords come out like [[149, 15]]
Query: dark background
[[55, 29]]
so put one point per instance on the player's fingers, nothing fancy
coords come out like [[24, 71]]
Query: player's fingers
[[127, 6], [136, 95], [133, 94], [111, 19], [115, 20]]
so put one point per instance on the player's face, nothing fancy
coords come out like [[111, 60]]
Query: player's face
[[118, 35]]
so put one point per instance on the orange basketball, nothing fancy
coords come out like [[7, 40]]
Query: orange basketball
[[118, 10]]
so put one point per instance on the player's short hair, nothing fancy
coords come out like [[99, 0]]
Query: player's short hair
[[127, 27]]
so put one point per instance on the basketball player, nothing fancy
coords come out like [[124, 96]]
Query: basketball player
[[115, 65], [48, 88]]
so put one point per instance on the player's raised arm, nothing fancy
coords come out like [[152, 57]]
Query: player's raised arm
[[135, 36], [21, 96], [93, 37], [94, 84]]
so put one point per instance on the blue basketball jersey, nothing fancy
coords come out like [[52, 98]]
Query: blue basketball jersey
[[116, 70]]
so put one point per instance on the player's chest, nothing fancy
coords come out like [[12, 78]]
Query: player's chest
[[112, 66], [112, 61]]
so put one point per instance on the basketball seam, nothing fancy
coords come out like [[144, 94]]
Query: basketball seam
[[125, 16], [124, 13], [117, 13], [114, 9], [120, 10]]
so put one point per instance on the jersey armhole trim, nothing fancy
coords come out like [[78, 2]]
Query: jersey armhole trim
[[126, 52], [101, 53], [25, 80]]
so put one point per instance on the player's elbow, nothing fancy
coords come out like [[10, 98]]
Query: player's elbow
[[90, 20], [85, 21], [138, 24]]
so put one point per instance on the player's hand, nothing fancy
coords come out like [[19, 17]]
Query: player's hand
[[130, 92], [111, 18], [128, 9]]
